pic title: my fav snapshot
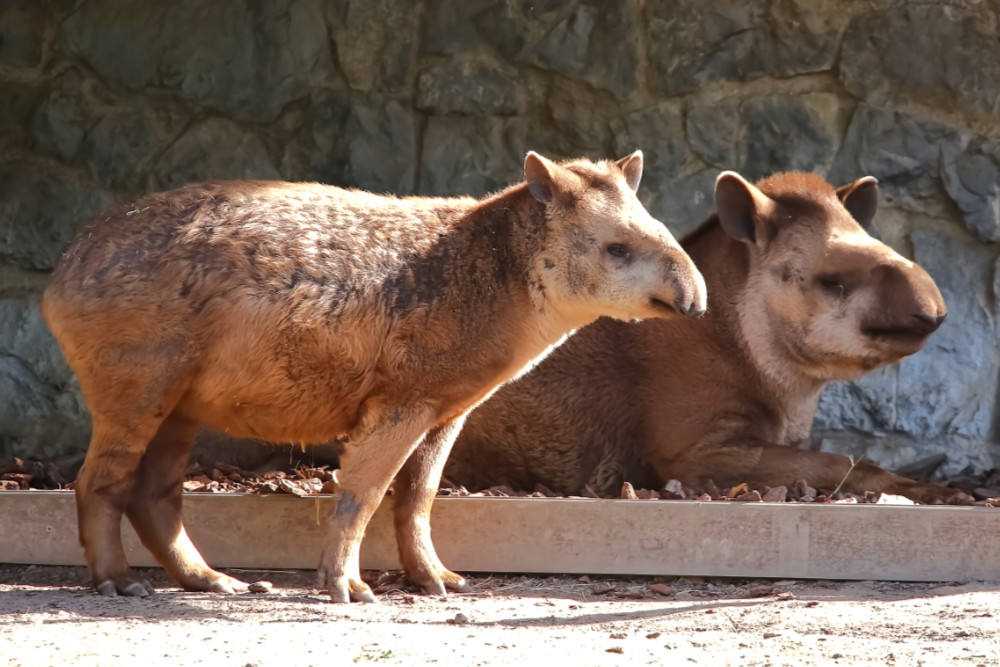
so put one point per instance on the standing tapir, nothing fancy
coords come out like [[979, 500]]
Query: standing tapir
[[799, 295], [301, 313]]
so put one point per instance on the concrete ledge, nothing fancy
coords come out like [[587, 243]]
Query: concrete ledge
[[545, 535]]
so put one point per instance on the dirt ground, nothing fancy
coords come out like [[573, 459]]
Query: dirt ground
[[50, 616]]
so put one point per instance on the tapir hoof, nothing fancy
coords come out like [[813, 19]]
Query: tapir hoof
[[139, 588]]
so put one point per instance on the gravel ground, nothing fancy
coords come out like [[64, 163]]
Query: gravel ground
[[50, 616]]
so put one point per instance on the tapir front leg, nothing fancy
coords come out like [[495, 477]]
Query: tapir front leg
[[778, 465], [413, 494], [367, 467]]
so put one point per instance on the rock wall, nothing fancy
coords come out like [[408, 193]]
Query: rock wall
[[105, 100]]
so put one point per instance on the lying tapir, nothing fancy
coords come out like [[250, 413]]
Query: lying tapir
[[301, 313], [799, 295]]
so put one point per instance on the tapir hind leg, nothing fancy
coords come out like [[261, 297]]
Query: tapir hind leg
[[155, 510], [413, 494], [129, 393], [103, 488]]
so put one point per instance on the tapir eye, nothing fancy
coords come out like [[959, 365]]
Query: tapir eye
[[618, 250], [832, 285]]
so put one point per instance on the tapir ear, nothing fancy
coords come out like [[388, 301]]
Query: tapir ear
[[740, 206], [539, 174], [860, 198], [631, 166]]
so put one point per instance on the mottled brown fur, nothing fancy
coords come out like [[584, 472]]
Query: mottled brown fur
[[799, 295], [301, 313]]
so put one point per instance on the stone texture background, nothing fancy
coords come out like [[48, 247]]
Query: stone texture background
[[101, 101]]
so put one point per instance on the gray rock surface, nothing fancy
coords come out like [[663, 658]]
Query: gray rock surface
[[904, 152], [40, 209], [376, 42], [42, 408], [696, 44], [60, 122], [478, 87], [450, 28], [381, 146], [22, 32], [951, 386], [245, 59], [215, 148], [925, 52], [481, 164], [105, 100], [595, 43]]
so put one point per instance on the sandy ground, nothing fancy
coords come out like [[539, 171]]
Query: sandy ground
[[49, 616]]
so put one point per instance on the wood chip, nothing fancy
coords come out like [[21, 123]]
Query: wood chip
[[738, 490]]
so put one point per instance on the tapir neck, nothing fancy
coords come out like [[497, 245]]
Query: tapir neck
[[510, 230], [741, 320]]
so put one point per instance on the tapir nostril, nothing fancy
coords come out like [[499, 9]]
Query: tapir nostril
[[688, 308], [927, 323]]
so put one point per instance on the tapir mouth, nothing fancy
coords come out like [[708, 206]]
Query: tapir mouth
[[662, 306], [906, 336], [676, 309], [914, 332]]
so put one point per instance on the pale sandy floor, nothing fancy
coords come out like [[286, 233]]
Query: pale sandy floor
[[49, 617]]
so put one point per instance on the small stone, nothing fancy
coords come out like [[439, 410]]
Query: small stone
[[460, 619], [775, 494], [628, 492], [674, 486], [752, 496], [771, 635], [260, 587], [663, 589], [892, 499], [653, 635], [615, 649], [802, 491], [760, 591]]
